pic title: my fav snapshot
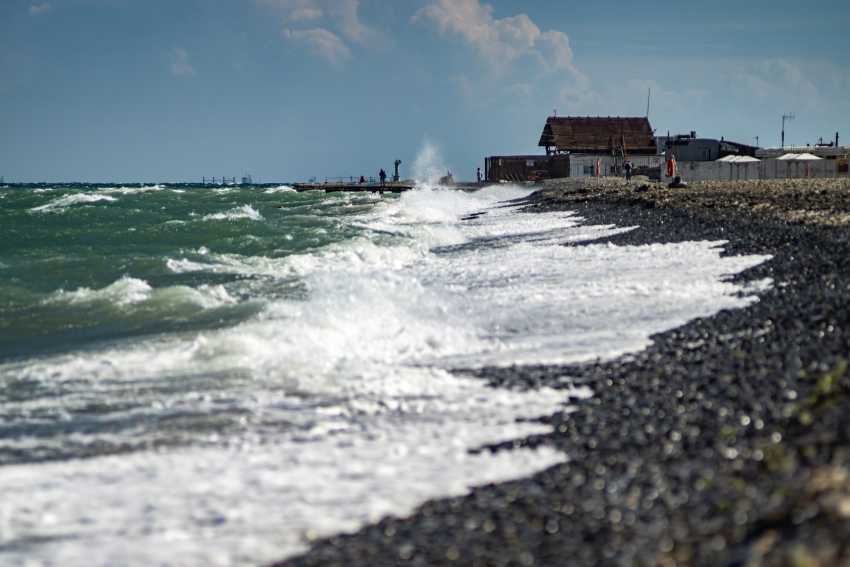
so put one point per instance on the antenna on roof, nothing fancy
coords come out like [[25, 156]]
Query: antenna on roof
[[789, 117], [556, 112], [647, 101]]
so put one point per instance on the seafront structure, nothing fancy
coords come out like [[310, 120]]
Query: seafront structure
[[573, 146], [600, 146]]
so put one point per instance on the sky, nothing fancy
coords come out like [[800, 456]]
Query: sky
[[173, 91]]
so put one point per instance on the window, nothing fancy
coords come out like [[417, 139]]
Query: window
[[705, 154]]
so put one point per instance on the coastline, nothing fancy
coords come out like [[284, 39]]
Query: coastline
[[745, 467]]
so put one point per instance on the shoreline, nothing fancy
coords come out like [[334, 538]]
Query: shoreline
[[720, 444]]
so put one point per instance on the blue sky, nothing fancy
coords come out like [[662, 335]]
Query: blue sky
[[164, 90]]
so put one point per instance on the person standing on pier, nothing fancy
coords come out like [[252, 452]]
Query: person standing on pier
[[479, 175], [383, 176]]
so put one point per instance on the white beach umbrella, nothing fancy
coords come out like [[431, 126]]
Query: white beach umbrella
[[738, 159], [798, 157]]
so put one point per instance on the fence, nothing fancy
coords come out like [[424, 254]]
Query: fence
[[765, 169]]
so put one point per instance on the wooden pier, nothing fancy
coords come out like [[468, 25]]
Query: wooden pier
[[389, 187]]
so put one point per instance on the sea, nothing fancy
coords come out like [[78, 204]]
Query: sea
[[218, 375]]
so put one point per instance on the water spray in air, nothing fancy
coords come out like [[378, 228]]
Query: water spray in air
[[428, 167]]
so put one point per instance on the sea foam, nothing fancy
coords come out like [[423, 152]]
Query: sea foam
[[70, 200], [326, 412], [243, 212]]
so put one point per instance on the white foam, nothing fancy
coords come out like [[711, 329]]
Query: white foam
[[200, 507], [122, 292], [280, 189], [349, 409], [127, 291], [243, 212], [132, 190], [70, 200]]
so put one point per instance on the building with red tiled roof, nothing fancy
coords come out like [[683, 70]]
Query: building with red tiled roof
[[597, 135]]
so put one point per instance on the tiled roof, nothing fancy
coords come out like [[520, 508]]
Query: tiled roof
[[595, 134]]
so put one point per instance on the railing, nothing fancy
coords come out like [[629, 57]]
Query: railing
[[353, 179]]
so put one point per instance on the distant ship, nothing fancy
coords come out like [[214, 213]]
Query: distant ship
[[246, 180]]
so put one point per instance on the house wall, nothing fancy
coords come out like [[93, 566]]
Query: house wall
[[713, 171], [585, 165]]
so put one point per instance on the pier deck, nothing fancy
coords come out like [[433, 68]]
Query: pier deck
[[389, 187], [395, 187]]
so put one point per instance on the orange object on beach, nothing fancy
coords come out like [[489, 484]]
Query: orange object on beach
[[671, 166]]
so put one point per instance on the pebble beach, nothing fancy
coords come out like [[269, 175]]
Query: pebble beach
[[723, 443]]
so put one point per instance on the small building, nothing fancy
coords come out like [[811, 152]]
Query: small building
[[526, 168], [691, 148], [574, 146], [598, 136]]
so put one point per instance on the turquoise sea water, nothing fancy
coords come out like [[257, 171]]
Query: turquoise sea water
[[70, 253], [195, 376]]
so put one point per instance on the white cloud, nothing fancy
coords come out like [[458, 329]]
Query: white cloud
[[660, 98], [525, 90], [342, 12], [306, 14], [502, 42], [779, 80], [179, 62], [514, 51], [321, 43], [36, 10], [628, 98]]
